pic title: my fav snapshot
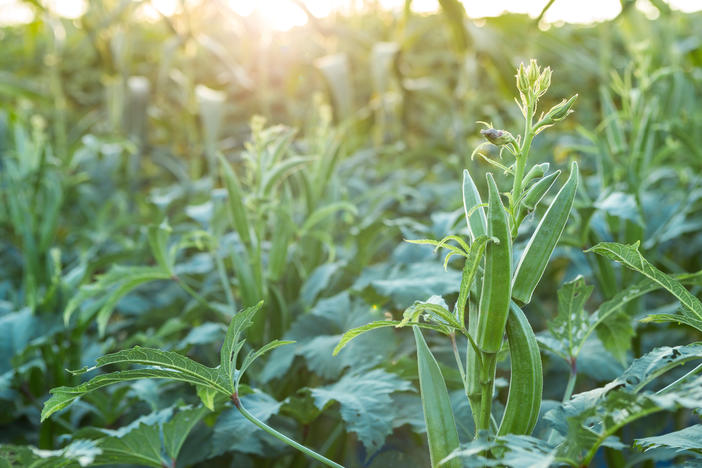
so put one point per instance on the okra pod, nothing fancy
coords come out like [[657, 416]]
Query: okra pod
[[526, 379], [538, 251], [536, 171], [537, 191], [475, 216], [495, 294], [438, 414]]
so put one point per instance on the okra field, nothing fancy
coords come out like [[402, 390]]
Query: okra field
[[384, 238]]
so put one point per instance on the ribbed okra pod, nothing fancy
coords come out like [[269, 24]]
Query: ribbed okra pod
[[496, 289], [526, 376], [538, 251]]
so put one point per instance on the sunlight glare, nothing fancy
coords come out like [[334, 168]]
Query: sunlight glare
[[283, 15], [277, 14]]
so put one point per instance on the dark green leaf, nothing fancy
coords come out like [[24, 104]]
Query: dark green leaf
[[365, 403]]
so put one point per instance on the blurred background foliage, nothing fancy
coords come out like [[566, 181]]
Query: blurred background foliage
[[157, 174]]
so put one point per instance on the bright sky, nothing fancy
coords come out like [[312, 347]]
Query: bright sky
[[284, 14]]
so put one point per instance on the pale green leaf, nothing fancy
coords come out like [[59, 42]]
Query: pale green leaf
[[630, 256], [354, 332], [165, 364], [252, 356], [689, 438], [233, 341]]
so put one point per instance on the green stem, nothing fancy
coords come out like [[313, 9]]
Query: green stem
[[284, 438], [571, 382], [520, 164], [487, 381]]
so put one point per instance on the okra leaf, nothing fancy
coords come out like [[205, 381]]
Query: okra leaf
[[177, 429], [571, 324], [629, 256], [253, 355], [152, 440], [683, 440], [515, 451], [358, 331], [140, 446], [233, 340], [234, 432], [589, 419], [616, 334], [365, 403], [434, 310], [594, 421], [173, 366], [77, 453], [415, 282], [169, 365], [319, 331], [118, 281]]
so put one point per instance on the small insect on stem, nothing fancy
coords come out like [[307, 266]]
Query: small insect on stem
[[235, 399]]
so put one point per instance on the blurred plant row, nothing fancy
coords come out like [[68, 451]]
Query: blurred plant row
[[156, 176]]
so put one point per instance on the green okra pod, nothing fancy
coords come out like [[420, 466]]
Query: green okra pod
[[495, 294], [477, 226], [536, 171], [533, 262], [438, 414], [526, 379], [475, 216], [537, 191]]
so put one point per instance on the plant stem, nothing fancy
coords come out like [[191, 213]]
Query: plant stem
[[286, 439], [520, 164], [571, 383], [487, 382]]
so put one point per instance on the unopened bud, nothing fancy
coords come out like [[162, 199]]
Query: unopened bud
[[562, 110], [544, 81], [522, 81], [497, 137], [533, 72]]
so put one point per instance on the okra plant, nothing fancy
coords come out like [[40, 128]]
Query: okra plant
[[492, 292]]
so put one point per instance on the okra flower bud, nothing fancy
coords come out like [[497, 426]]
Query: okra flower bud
[[522, 80], [497, 137], [544, 81], [533, 72], [557, 113]]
